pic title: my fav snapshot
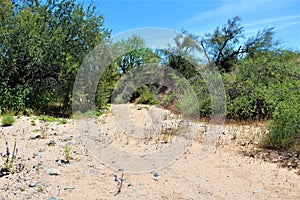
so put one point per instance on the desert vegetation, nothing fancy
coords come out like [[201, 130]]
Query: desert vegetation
[[43, 44]]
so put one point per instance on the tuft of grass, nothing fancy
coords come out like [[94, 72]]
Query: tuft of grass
[[33, 122], [7, 120], [9, 160], [41, 188], [67, 152], [62, 121], [47, 118]]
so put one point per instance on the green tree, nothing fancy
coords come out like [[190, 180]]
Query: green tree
[[223, 47], [42, 45]]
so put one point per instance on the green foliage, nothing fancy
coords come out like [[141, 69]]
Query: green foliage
[[47, 118], [7, 120], [67, 151], [9, 158], [285, 128], [223, 46], [145, 96], [62, 121], [42, 44]]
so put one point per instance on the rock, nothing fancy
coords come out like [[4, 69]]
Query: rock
[[69, 187], [52, 198], [52, 172], [156, 179], [141, 184], [37, 154], [32, 184], [156, 174], [256, 191], [67, 139], [51, 143], [36, 136]]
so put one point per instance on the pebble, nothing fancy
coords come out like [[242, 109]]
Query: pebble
[[35, 136], [52, 198], [156, 174], [37, 154], [51, 143], [52, 171], [156, 179], [256, 191], [69, 187], [32, 184]]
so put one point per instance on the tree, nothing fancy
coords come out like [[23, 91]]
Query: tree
[[184, 57], [134, 54], [223, 46], [42, 46]]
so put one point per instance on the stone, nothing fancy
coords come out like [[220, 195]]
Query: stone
[[156, 179], [52, 172], [32, 184], [69, 187], [156, 174], [256, 191], [36, 136]]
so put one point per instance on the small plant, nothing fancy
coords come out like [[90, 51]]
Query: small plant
[[7, 120], [41, 188], [67, 151], [47, 118], [33, 122], [23, 188], [62, 121], [119, 181], [8, 159]]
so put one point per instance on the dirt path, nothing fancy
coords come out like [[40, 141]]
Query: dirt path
[[223, 174]]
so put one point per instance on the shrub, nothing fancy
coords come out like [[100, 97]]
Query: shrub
[[7, 120], [285, 127]]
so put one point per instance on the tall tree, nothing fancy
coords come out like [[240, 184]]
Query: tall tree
[[223, 47], [42, 45]]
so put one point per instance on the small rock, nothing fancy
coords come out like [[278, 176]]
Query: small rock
[[37, 154], [32, 184], [156, 174], [28, 178], [67, 139], [52, 198], [156, 179], [255, 191], [141, 184], [51, 143], [52, 171], [69, 187], [36, 136]]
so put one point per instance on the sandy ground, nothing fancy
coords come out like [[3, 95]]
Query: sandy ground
[[224, 174]]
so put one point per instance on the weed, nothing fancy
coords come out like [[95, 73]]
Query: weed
[[67, 152], [7, 120], [41, 188], [47, 118], [8, 158], [23, 188], [62, 121], [33, 123]]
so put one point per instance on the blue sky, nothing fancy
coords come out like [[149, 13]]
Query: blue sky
[[203, 16]]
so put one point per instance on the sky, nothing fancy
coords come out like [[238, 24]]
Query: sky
[[203, 16]]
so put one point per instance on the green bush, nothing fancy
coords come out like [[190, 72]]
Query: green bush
[[7, 120], [285, 127]]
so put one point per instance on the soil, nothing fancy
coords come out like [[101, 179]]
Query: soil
[[55, 162]]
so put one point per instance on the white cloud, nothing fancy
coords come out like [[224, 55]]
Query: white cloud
[[272, 20], [230, 8]]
